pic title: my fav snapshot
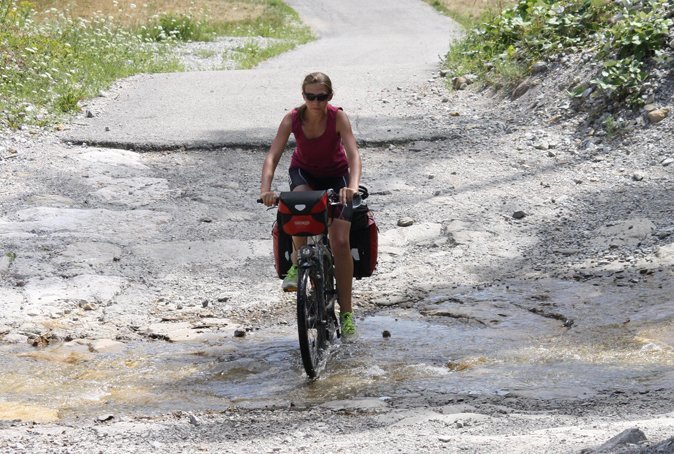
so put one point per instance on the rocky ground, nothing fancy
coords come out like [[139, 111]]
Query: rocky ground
[[567, 229]]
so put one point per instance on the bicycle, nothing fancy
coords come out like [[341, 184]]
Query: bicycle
[[309, 213]]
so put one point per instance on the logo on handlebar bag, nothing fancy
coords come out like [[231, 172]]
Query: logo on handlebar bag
[[303, 213]]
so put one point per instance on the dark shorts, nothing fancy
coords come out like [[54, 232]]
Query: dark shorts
[[299, 177]]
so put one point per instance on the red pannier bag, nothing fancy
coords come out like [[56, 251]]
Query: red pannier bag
[[303, 213], [364, 240]]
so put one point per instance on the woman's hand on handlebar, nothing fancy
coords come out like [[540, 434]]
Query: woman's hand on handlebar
[[269, 198], [346, 195]]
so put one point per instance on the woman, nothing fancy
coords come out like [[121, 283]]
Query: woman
[[326, 157]]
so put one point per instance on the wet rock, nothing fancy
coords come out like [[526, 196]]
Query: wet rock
[[361, 404], [519, 215], [386, 334], [239, 332], [15, 338], [172, 332], [405, 222], [41, 341], [105, 346]]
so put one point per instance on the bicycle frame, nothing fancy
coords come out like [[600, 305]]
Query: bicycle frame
[[317, 323]]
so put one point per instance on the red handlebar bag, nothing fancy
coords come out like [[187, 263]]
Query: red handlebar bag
[[303, 213]]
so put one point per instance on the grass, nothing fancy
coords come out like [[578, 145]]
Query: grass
[[54, 54], [469, 12]]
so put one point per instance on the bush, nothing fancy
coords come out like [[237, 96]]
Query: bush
[[624, 35]]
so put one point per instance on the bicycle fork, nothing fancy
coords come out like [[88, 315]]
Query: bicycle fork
[[309, 258]]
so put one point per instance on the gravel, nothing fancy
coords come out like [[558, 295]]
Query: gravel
[[110, 244]]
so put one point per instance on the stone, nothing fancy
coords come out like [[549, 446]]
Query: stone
[[5, 262], [667, 446], [405, 222], [657, 115], [459, 83], [521, 89], [106, 346], [627, 437], [519, 215]]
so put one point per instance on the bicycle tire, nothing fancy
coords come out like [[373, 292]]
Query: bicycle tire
[[330, 292], [310, 329]]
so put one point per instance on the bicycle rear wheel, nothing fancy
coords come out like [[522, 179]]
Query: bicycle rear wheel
[[310, 328]]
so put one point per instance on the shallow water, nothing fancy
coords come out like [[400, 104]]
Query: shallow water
[[506, 353]]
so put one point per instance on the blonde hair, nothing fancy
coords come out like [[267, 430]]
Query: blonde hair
[[314, 78]]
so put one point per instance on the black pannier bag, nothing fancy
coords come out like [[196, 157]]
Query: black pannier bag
[[364, 239], [283, 248]]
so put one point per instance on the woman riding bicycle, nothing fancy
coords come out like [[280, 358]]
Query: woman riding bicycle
[[326, 157]]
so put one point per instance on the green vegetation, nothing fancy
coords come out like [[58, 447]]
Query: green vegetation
[[277, 20], [51, 60], [625, 36], [468, 12]]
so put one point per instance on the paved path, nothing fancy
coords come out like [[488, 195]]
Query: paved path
[[368, 48]]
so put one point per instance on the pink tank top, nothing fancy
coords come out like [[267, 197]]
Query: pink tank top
[[322, 156]]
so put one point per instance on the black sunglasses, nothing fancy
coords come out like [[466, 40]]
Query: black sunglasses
[[312, 97]]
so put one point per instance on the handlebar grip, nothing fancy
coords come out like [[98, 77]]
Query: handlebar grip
[[275, 201]]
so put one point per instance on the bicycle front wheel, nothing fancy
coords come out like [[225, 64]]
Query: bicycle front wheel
[[310, 327]]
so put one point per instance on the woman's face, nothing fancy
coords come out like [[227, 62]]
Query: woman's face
[[316, 96]]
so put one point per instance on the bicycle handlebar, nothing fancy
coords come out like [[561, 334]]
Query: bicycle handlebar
[[333, 197]]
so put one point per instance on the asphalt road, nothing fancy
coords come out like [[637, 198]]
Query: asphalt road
[[367, 48]]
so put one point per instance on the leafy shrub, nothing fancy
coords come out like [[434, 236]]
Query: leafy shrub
[[638, 35], [624, 34]]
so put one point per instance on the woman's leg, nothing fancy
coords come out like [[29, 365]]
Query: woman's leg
[[341, 250]]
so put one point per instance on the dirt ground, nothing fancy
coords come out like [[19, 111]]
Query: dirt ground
[[528, 229]]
